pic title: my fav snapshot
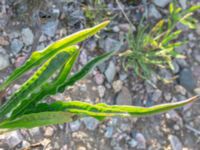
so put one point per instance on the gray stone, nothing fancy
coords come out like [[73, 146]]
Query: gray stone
[[141, 141], [156, 95], [133, 143], [110, 45], [182, 62], [162, 3], [187, 80], [90, 123], [175, 142], [50, 28], [27, 36], [16, 46], [183, 3], [74, 126], [176, 67], [153, 12], [35, 133], [110, 71], [109, 132], [13, 139], [124, 97], [4, 59]]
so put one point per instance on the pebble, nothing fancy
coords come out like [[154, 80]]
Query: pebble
[[49, 131], [162, 3], [75, 125], [20, 60], [4, 59], [117, 85], [25, 145], [111, 44], [16, 46], [90, 123], [124, 97], [109, 132], [125, 27], [180, 89], [27, 36], [110, 72], [156, 95], [153, 12], [197, 91], [175, 142], [101, 90], [50, 28], [167, 96], [133, 143], [176, 67], [13, 139], [4, 41], [35, 133], [187, 80], [183, 3], [83, 57], [99, 78], [116, 29], [141, 141]]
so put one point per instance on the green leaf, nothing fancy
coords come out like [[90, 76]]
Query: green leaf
[[37, 79], [39, 57], [104, 110], [85, 70], [46, 89], [37, 120], [59, 85]]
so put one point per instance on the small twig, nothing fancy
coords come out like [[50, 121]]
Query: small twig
[[192, 129]]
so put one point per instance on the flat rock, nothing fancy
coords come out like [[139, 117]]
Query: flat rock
[[110, 71], [74, 126], [110, 44], [27, 36], [50, 28], [153, 12], [187, 80], [13, 139], [162, 3], [90, 123], [124, 97], [16, 46]]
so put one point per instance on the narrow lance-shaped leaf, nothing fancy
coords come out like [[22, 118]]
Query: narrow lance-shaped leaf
[[85, 70], [37, 120], [47, 88], [60, 112], [56, 86], [39, 57], [38, 78]]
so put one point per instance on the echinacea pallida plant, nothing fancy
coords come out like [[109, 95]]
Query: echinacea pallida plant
[[154, 48], [24, 108]]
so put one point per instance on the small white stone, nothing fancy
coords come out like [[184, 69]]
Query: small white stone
[[49, 132], [117, 85]]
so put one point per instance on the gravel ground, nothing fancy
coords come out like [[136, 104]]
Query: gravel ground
[[29, 25]]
